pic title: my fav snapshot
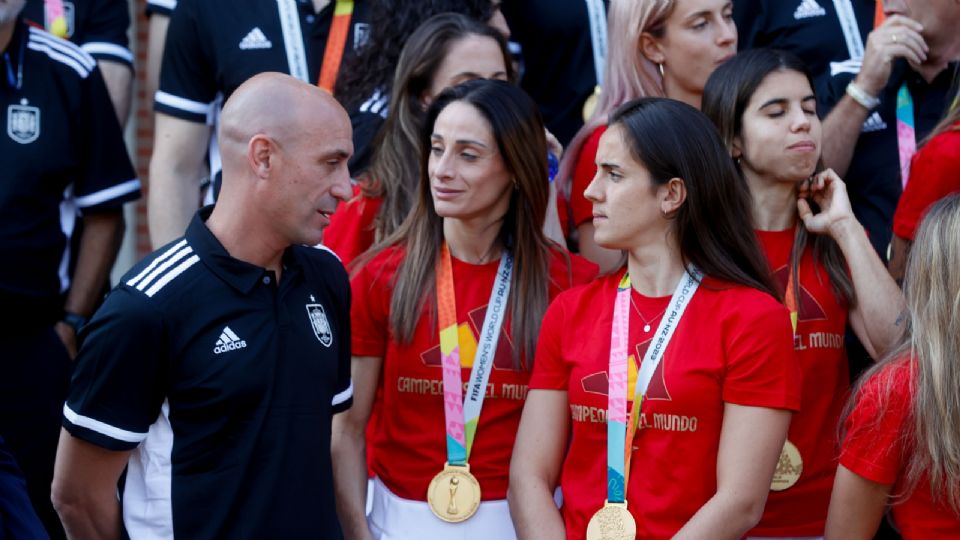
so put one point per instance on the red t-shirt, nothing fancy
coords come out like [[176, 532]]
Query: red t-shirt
[[933, 175], [583, 173], [350, 232], [801, 510], [877, 446], [733, 345], [410, 448]]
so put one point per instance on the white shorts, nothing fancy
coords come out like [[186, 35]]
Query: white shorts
[[394, 518]]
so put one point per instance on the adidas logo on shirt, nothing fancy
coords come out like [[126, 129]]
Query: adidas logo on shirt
[[873, 123], [229, 341], [255, 40], [807, 9]]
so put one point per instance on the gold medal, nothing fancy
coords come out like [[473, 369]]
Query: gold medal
[[612, 522], [454, 494], [789, 468], [590, 104]]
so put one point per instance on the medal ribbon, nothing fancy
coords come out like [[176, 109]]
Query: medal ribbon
[[293, 39], [619, 434], [906, 130], [336, 41], [56, 18], [461, 415]]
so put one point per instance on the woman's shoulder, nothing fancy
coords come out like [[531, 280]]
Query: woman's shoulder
[[569, 269]]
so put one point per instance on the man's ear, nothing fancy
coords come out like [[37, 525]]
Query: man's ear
[[649, 47], [261, 152], [674, 195]]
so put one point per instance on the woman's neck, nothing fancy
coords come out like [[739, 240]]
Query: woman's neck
[[675, 91], [774, 203], [655, 269], [473, 241]]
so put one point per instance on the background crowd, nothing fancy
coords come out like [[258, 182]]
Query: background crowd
[[493, 188]]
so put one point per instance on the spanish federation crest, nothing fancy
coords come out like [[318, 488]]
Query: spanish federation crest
[[318, 320], [23, 122]]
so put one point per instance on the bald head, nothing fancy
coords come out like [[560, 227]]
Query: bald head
[[277, 106]]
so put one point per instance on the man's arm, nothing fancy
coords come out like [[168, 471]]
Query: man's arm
[[85, 488], [119, 80], [157, 38], [897, 37], [99, 243], [176, 168]]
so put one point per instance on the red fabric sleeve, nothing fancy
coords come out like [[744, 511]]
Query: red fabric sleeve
[[762, 368], [933, 176], [583, 173], [550, 372], [370, 310], [872, 446]]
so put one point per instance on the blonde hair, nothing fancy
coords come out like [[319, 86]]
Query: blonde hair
[[932, 289], [932, 338], [627, 73]]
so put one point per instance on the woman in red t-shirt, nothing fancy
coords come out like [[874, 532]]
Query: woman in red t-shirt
[[902, 431], [471, 251], [657, 48], [445, 50], [763, 104], [933, 175], [714, 412]]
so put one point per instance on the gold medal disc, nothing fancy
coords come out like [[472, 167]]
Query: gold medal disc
[[454, 494], [612, 522], [789, 468], [590, 104]]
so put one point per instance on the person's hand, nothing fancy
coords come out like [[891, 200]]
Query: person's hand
[[553, 145], [897, 37], [829, 192], [69, 338]]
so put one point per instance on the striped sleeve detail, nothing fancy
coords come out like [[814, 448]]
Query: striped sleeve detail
[[62, 51], [111, 193], [102, 427], [164, 269], [108, 51]]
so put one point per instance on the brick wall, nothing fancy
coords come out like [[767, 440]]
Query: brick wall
[[142, 125]]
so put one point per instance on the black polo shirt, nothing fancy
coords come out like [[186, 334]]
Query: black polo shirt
[[809, 29], [225, 382], [213, 46], [873, 178], [559, 75], [99, 27], [162, 7], [61, 150]]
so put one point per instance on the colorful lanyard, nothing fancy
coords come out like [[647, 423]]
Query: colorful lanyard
[[336, 41], [619, 437], [462, 415], [790, 299], [56, 20], [906, 130]]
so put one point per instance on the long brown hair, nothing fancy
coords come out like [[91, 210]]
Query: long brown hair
[[725, 98], [394, 170], [931, 337], [673, 140], [518, 129]]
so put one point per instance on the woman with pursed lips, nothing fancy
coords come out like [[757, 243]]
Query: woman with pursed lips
[[446, 311], [662, 392], [763, 104]]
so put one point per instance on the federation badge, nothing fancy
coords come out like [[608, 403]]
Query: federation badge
[[789, 468], [23, 122], [319, 323]]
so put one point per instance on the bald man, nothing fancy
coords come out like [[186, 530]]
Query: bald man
[[213, 370]]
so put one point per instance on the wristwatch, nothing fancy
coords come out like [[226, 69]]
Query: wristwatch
[[74, 320]]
